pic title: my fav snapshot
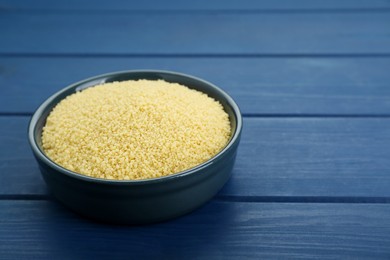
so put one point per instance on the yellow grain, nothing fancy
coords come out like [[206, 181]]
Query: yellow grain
[[135, 130]]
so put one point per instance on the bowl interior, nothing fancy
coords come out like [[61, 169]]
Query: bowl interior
[[39, 118]]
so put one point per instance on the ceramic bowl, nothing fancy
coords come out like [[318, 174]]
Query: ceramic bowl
[[137, 201]]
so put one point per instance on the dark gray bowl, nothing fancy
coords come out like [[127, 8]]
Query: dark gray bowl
[[141, 201]]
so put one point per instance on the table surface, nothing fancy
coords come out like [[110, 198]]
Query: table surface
[[312, 176]]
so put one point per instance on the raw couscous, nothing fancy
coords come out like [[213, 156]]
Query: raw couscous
[[133, 130]]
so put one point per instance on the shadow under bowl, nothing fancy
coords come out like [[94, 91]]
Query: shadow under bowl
[[137, 201]]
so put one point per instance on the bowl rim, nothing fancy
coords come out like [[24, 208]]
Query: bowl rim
[[39, 153]]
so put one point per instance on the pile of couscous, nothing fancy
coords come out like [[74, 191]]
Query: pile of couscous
[[133, 130]]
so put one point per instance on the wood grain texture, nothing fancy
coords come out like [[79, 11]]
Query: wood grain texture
[[296, 33], [263, 86], [151, 5], [282, 157], [311, 77], [220, 230]]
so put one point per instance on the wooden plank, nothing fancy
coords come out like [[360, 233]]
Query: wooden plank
[[120, 5], [19, 171], [310, 158], [220, 230], [137, 33], [264, 86]]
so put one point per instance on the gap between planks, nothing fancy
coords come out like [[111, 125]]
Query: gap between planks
[[194, 55], [198, 11], [247, 199]]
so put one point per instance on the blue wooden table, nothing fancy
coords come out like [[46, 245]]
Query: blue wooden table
[[312, 177]]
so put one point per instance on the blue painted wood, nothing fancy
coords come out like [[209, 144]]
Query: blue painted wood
[[121, 33], [264, 86], [343, 160], [313, 159], [220, 230], [192, 5]]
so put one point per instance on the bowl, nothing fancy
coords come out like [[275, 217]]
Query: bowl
[[137, 201]]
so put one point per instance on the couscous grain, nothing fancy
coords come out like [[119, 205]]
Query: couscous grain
[[133, 130]]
